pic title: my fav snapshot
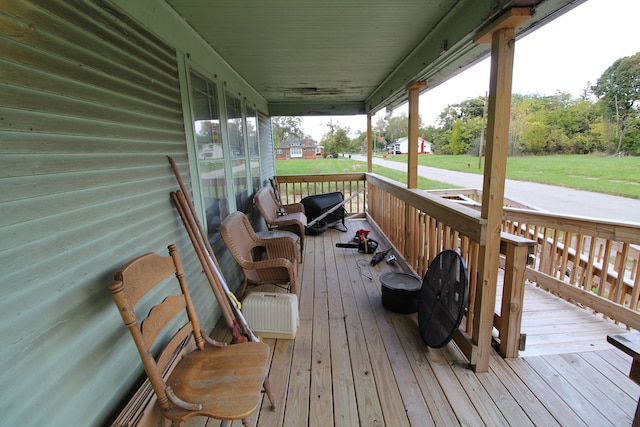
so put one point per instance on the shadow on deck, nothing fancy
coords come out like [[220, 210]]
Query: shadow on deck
[[355, 363]]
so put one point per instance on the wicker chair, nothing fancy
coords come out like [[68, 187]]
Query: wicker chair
[[263, 261], [282, 217]]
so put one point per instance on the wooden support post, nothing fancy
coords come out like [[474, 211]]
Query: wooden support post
[[412, 162], [502, 36], [370, 146], [517, 250]]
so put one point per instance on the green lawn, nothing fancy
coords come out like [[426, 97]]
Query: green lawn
[[610, 175], [344, 165]]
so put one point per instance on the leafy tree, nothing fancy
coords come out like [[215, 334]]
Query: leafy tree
[[379, 129], [359, 143], [336, 140], [397, 128], [631, 140], [555, 124], [459, 141], [430, 133], [393, 128], [618, 89], [460, 127], [286, 127]]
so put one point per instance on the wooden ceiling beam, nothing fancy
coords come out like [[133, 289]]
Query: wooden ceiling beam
[[512, 18]]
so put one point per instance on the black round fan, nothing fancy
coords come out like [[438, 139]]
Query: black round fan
[[443, 298]]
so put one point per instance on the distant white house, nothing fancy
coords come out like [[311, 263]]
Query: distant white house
[[210, 151], [401, 146]]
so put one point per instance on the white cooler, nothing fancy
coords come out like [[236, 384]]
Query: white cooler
[[272, 315]]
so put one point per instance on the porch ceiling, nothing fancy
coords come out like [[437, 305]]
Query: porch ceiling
[[348, 56]]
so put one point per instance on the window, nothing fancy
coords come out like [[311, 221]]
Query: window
[[235, 128], [253, 143], [296, 152], [208, 137]]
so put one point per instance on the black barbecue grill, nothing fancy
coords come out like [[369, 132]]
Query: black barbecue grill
[[318, 204]]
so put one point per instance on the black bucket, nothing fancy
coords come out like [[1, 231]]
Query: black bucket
[[400, 292]]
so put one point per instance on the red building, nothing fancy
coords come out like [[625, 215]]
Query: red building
[[298, 148]]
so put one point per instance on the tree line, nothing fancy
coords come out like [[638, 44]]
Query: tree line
[[604, 119]]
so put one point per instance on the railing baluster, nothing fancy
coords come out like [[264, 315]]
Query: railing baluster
[[633, 304], [566, 243], [605, 268], [576, 260], [588, 285], [619, 293], [553, 267]]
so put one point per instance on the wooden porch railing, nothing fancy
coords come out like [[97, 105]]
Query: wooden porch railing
[[420, 226], [592, 262], [294, 188]]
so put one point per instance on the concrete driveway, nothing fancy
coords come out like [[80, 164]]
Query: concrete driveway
[[548, 197]]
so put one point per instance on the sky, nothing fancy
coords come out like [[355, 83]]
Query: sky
[[566, 55]]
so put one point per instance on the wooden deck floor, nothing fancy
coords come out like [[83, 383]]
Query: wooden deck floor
[[355, 363]]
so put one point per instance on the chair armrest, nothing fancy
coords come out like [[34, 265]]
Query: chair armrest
[[281, 247], [269, 263], [293, 207], [284, 221]]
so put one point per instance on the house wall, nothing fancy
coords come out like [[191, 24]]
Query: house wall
[[402, 146], [308, 153], [94, 99], [282, 154]]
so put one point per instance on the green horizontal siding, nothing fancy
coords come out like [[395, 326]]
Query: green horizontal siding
[[90, 108]]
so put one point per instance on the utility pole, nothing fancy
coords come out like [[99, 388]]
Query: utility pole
[[484, 118]]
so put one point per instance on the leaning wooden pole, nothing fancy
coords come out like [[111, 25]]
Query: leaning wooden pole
[[192, 209], [223, 303], [217, 281]]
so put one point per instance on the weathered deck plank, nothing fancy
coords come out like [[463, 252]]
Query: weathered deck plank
[[545, 393], [355, 363], [344, 397], [366, 393], [523, 395], [582, 406], [387, 391], [435, 398]]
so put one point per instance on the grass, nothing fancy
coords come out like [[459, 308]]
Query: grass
[[619, 176], [343, 165]]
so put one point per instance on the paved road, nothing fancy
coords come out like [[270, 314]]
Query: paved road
[[548, 197]]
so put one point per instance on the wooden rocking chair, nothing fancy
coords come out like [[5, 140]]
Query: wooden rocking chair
[[214, 380]]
